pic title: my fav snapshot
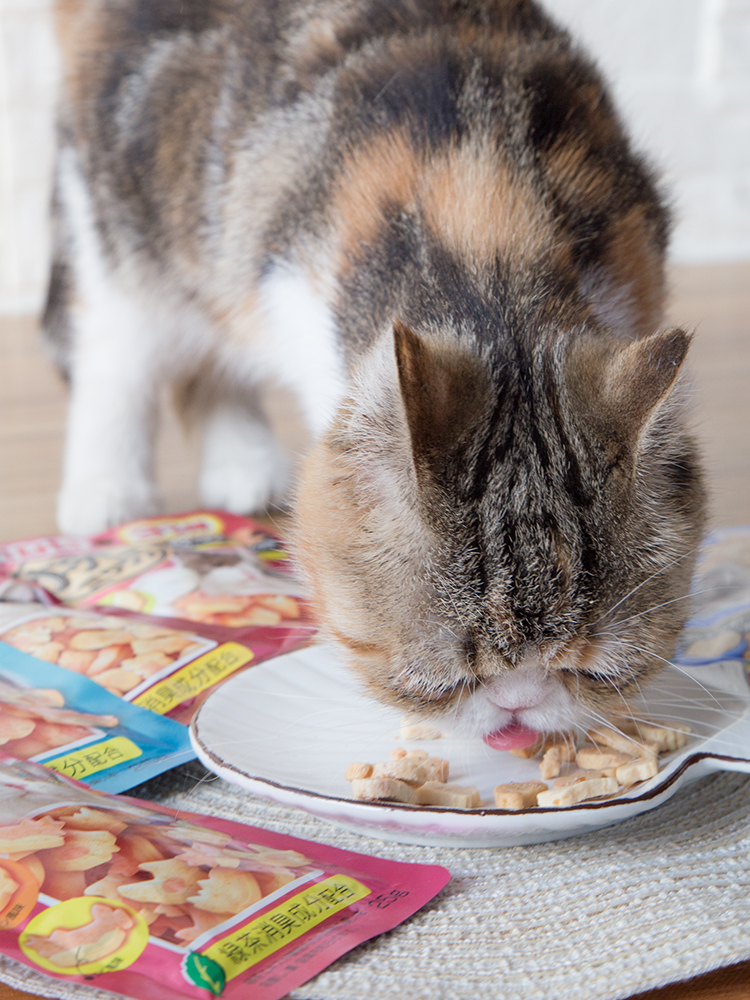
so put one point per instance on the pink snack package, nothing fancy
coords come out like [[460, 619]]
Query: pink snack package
[[167, 607], [156, 904]]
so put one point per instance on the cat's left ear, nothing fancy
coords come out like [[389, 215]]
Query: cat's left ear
[[443, 388], [641, 377]]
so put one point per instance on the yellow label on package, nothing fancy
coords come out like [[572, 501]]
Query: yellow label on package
[[81, 763], [252, 943], [194, 677]]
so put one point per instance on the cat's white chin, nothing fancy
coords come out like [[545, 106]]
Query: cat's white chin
[[524, 697]]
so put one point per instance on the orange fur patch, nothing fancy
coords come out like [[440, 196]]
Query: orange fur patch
[[468, 196], [383, 172], [472, 201], [579, 181]]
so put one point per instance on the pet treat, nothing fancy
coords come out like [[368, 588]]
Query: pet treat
[[583, 775], [518, 794], [31, 835], [622, 742], [226, 891], [173, 882], [551, 761], [82, 849], [666, 738], [529, 752], [613, 762], [406, 771], [438, 793], [591, 758], [358, 771], [413, 729], [435, 769], [388, 789], [579, 791], [637, 770]]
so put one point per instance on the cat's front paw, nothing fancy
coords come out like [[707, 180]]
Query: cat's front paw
[[88, 507], [244, 469], [245, 488]]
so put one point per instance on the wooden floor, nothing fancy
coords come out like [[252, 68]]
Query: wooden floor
[[713, 301]]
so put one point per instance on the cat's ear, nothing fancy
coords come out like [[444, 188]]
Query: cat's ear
[[443, 389], [641, 377]]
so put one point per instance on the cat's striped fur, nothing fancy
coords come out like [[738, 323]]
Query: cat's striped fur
[[424, 216]]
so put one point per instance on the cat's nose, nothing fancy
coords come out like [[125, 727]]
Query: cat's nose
[[516, 708]]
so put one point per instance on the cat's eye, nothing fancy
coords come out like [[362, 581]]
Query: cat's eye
[[597, 677]]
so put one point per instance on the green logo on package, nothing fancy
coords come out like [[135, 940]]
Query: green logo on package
[[203, 971]]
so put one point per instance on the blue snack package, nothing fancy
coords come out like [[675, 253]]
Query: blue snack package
[[68, 723]]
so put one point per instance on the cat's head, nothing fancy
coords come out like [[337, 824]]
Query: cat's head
[[503, 538]]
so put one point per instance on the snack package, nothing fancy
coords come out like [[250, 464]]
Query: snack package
[[72, 725], [719, 628], [148, 903], [167, 607]]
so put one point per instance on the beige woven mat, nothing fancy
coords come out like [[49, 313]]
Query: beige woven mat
[[659, 898]]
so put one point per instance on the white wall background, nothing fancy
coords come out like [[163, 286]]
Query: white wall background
[[681, 75]]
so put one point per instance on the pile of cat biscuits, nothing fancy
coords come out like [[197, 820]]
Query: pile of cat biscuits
[[613, 761]]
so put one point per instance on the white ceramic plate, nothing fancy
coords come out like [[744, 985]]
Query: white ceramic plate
[[287, 729]]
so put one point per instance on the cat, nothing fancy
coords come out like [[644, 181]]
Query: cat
[[425, 217]]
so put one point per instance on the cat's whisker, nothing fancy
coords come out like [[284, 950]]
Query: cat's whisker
[[457, 705], [665, 604], [671, 663], [643, 583]]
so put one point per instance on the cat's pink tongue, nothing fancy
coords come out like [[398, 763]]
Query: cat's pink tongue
[[512, 737]]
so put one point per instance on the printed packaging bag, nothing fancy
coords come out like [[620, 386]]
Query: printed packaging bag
[[72, 725], [166, 608], [719, 627], [150, 903]]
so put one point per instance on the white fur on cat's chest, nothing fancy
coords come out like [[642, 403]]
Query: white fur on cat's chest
[[299, 345]]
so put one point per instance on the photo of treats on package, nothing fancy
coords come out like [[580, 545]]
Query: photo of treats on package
[[34, 721], [719, 628], [67, 722], [211, 568], [123, 656], [166, 608], [181, 879], [92, 885]]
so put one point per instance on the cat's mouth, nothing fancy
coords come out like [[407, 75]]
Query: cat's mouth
[[514, 736]]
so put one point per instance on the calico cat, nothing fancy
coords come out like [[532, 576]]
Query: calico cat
[[424, 217]]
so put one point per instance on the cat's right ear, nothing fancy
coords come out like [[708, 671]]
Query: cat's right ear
[[443, 392], [641, 377]]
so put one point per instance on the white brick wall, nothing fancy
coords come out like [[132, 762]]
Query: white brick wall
[[28, 76], [681, 75]]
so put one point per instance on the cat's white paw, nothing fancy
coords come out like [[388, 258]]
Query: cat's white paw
[[244, 470], [245, 488], [94, 505]]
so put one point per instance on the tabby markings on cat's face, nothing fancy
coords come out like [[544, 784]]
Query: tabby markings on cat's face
[[507, 567]]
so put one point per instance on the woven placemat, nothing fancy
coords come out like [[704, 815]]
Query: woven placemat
[[653, 900]]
